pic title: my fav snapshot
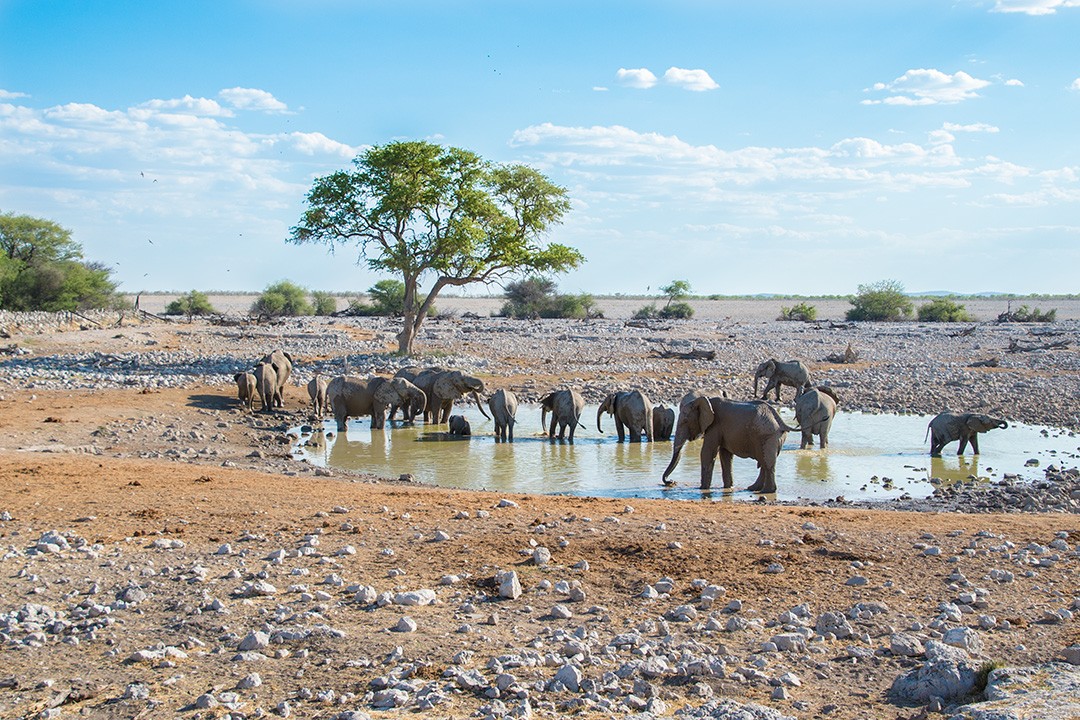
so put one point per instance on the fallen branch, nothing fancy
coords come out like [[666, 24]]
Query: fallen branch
[[691, 355], [849, 356], [90, 320], [964, 333], [1015, 346], [156, 317], [645, 324]]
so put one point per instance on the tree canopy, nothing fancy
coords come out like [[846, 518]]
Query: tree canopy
[[424, 211], [42, 268]]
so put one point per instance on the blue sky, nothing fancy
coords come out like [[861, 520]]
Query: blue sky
[[746, 147]]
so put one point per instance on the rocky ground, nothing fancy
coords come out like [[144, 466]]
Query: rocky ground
[[163, 554]]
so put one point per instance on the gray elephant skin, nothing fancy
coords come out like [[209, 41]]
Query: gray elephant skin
[[815, 409], [316, 389], [663, 423], [459, 425], [352, 396], [503, 405], [793, 373], [423, 378], [266, 385], [443, 387], [965, 427], [282, 363], [565, 407], [246, 389], [632, 412], [728, 429]]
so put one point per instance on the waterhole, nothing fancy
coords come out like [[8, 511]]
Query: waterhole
[[874, 457]]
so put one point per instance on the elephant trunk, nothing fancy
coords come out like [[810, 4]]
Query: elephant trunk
[[1003, 425], [599, 414], [676, 451], [476, 397], [543, 418], [757, 376]]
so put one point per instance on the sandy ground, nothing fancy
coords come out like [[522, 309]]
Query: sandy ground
[[122, 469]]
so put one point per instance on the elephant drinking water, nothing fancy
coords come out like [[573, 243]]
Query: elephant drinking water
[[632, 412], [947, 426]]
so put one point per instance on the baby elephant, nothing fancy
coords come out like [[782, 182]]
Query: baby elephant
[[814, 410], [246, 389], [459, 425], [316, 389], [965, 427]]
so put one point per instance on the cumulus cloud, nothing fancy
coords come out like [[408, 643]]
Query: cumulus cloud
[[641, 78], [189, 106], [695, 80], [1075, 84], [1014, 83], [924, 86], [316, 143], [252, 99], [9, 95], [1033, 7]]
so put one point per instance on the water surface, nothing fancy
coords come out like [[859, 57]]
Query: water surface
[[869, 457]]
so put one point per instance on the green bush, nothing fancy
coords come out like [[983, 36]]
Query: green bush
[[190, 304], [677, 311], [944, 310], [649, 312], [535, 297], [1024, 314], [802, 312], [282, 299], [388, 298], [324, 302], [883, 300]]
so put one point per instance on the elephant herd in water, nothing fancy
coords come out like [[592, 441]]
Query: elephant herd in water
[[728, 428]]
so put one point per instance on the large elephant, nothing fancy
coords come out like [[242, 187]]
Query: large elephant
[[746, 429], [423, 379], [503, 405], [565, 407], [266, 385], [632, 412], [965, 427], [814, 410], [663, 422], [792, 372], [247, 387], [282, 363], [352, 396], [447, 387], [316, 388]]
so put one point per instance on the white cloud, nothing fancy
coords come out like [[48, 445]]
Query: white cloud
[[252, 99], [695, 80], [1014, 83], [641, 78], [1075, 84], [929, 87], [318, 144], [9, 95], [188, 105], [599, 88], [971, 128], [1033, 7]]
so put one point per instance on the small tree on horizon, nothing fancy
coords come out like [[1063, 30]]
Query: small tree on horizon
[[422, 210], [280, 299], [191, 304], [883, 300]]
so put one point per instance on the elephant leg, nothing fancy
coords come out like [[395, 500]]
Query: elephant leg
[[573, 428], [551, 428], [963, 445], [708, 461], [807, 439], [620, 429], [725, 467], [823, 438], [508, 431], [766, 480], [340, 416], [975, 443]]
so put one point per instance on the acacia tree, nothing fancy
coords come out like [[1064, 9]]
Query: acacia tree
[[425, 211]]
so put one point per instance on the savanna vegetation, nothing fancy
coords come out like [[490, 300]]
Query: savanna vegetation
[[675, 309], [883, 300], [192, 304], [944, 310], [536, 297]]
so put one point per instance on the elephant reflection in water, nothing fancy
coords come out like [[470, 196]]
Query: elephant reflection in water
[[812, 467]]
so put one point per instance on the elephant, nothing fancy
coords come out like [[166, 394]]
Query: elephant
[[351, 396], [663, 422], [565, 407], [965, 427], [266, 385], [792, 372], [423, 379], [316, 388], [815, 408], [282, 363], [746, 429], [459, 425], [247, 388], [447, 387], [632, 412], [503, 405]]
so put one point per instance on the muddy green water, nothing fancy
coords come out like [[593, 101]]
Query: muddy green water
[[869, 457]]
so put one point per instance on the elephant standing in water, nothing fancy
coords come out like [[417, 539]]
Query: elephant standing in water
[[746, 429], [792, 372], [814, 410], [947, 426], [423, 379], [448, 387], [632, 412], [565, 407], [663, 422], [503, 405], [352, 396]]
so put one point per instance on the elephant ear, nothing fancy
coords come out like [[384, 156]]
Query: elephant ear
[[385, 393], [705, 414]]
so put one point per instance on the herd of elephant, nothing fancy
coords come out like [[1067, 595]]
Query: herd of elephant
[[728, 428]]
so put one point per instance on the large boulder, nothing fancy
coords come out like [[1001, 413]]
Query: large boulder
[[1047, 692], [948, 673]]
